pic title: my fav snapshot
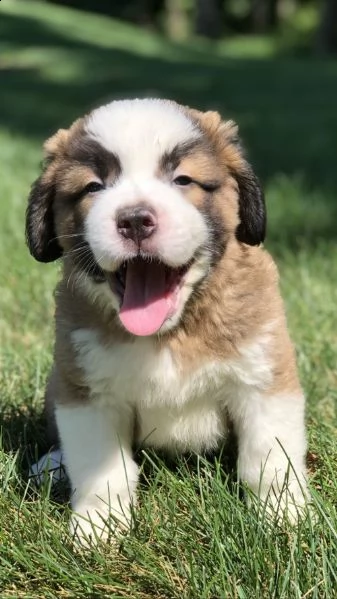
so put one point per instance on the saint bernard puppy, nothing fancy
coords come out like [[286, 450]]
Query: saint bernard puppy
[[169, 320]]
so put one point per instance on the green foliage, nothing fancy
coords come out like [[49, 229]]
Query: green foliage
[[193, 535]]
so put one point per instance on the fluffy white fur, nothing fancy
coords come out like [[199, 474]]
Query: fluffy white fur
[[174, 415], [139, 131]]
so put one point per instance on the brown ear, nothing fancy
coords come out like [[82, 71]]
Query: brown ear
[[40, 230], [252, 210]]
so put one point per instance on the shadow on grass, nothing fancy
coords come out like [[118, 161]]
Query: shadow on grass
[[23, 433], [153, 460], [24, 428]]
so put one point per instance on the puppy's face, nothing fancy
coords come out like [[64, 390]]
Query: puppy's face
[[143, 196]]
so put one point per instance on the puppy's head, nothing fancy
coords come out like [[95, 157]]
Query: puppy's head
[[143, 196]]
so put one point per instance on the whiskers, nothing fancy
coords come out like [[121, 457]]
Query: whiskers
[[85, 264], [68, 236]]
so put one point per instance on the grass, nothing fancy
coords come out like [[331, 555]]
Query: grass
[[193, 536]]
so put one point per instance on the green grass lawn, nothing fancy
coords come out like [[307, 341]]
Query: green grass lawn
[[193, 535]]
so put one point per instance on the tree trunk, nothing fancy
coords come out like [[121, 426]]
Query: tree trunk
[[149, 12], [327, 32], [176, 20], [208, 20], [264, 15]]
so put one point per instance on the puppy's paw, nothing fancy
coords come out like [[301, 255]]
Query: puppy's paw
[[96, 521], [288, 505], [50, 466]]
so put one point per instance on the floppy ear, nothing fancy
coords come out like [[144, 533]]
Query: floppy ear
[[40, 230], [252, 210]]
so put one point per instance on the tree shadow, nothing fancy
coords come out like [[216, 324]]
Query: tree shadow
[[285, 108]]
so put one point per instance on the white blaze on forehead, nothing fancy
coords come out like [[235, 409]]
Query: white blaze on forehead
[[139, 132]]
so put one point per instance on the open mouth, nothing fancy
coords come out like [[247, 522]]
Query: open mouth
[[148, 292]]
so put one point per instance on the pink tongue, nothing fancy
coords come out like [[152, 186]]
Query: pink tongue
[[146, 304]]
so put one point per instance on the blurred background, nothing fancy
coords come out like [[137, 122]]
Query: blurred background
[[271, 64], [312, 22]]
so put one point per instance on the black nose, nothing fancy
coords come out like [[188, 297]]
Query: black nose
[[136, 223]]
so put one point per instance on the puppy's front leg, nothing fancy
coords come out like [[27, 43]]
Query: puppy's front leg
[[272, 446], [96, 442]]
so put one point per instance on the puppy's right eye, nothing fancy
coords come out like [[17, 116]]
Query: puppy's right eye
[[93, 187]]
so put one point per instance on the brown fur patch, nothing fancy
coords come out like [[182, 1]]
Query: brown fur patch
[[234, 306], [223, 138], [57, 143]]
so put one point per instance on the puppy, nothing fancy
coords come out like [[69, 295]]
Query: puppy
[[169, 321]]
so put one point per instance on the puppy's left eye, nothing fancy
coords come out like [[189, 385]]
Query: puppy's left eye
[[93, 187], [183, 180]]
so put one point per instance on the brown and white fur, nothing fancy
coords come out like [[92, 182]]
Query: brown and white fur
[[155, 192]]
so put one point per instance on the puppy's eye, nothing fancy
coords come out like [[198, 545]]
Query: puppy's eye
[[93, 187], [183, 180]]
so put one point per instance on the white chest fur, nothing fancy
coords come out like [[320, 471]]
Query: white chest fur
[[172, 412]]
